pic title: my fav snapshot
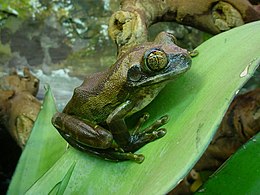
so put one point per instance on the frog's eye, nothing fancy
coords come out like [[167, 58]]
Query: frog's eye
[[155, 59]]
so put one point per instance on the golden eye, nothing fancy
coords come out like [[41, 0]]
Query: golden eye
[[156, 60]]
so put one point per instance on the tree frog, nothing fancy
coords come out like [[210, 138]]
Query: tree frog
[[94, 119]]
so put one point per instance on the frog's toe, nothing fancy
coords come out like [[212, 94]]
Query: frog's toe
[[140, 123], [121, 156], [138, 158], [152, 136], [156, 134], [160, 133], [194, 53], [157, 124], [139, 140]]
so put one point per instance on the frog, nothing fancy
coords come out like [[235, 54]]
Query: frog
[[94, 120]]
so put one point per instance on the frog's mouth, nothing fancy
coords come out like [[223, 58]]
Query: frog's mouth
[[178, 65]]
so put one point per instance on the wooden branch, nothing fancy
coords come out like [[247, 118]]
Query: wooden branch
[[129, 26]]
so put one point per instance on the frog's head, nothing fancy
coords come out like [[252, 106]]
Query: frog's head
[[157, 62]]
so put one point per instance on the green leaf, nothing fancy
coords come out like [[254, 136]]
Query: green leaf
[[42, 150], [61, 186], [196, 103], [240, 174]]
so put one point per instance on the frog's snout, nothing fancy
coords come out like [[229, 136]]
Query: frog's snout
[[180, 62], [187, 61]]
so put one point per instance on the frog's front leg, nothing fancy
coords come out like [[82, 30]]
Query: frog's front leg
[[132, 142], [141, 137], [90, 138]]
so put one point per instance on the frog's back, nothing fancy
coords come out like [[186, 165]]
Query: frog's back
[[95, 98]]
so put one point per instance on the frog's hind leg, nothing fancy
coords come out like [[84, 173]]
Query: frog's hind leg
[[91, 138], [84, 132], [107, 154]]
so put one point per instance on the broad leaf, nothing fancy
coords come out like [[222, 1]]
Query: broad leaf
[[240, 174], [43, 149], [196, 103]]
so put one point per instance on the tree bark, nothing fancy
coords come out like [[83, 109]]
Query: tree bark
[[129, 26]]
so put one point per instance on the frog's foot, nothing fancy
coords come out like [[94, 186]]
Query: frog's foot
[[194, 53], [111, 154], [107, 154], [140, 138], [121, 156]]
